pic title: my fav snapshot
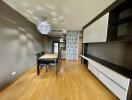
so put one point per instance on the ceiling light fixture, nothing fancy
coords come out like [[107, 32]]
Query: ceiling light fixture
[[55, 19], [43, 26]]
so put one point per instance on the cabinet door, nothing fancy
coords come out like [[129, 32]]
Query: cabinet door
[[115, 88], [93, 70], [116, 77], [97, 31]]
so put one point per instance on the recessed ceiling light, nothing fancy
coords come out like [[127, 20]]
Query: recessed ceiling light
[[39, 8], [22, 38], [36, 18], [55, 19], [53, 13], [61, 17], [21, 29], [30, 11]]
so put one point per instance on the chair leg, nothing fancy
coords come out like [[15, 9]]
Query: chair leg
[[46, 69], [56, 67], [41, 67], [50, 66], [38, 70]]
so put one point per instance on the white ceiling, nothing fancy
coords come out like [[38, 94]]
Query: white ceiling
[[62, 14]]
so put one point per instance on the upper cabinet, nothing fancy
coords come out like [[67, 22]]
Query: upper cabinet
[[120, 22], [113, 24], [97, 31]]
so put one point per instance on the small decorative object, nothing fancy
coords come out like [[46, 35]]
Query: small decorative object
[[43, 26]]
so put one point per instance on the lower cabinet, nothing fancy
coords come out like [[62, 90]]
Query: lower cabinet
[[114, 81], [94, 71], [114, 87]]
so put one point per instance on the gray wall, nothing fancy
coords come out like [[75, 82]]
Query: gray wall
[[19, 41], [119, 53]]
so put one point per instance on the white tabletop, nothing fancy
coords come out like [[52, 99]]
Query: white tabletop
[[49, 56]]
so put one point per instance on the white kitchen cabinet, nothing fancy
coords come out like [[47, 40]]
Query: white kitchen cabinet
[[94, 70], [114, 87], [97, 31], [116, 77], [114, 81]]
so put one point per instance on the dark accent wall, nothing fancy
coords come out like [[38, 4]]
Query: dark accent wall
[[119, 53], [19, 41]]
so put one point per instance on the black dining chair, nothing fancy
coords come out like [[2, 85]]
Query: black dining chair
[[57, 63], [42, 52], [40, 62]]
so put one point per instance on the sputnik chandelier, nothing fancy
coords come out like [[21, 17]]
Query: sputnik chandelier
[[43, 26]]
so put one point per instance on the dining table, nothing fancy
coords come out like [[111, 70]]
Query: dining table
[[49, 58]]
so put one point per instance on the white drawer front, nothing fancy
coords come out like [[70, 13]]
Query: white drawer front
[[118, 78], [116, 89], [90, 68], [89, 61], [93, 70]]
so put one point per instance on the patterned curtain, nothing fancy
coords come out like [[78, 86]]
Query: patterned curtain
[[72, 39]]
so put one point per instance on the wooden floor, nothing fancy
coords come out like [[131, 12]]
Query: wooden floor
[[73, 82]]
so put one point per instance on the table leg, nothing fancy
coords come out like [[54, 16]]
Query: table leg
[[38, 69], [47, 68], [56, 66]]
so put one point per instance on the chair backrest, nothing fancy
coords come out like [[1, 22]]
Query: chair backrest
[[38, 55], [42, 52]]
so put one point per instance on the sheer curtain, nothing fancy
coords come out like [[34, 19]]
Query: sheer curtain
[[72, 39]]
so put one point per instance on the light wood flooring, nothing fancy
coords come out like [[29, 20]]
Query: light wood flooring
[[73, 82]]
